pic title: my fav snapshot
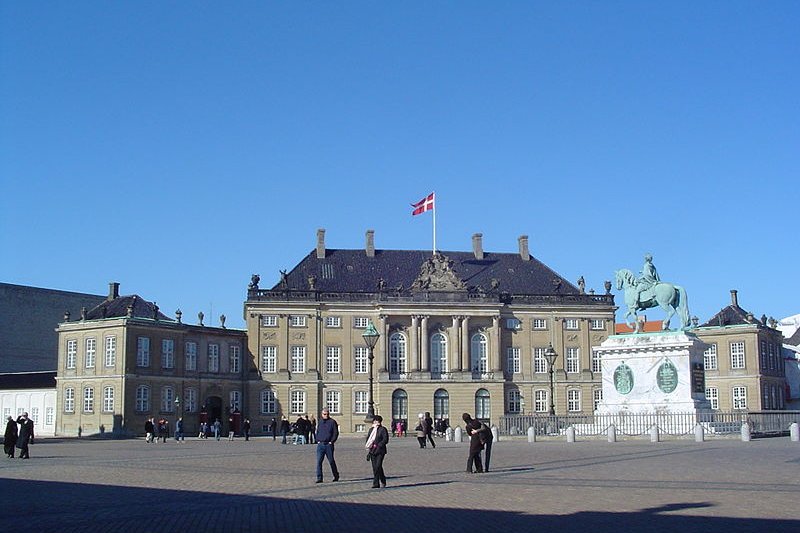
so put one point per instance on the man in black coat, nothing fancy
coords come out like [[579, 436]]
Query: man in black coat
[[10, 438], [25, 436]]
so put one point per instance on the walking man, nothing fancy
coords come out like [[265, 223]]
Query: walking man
[[25, 435], [327, 433]]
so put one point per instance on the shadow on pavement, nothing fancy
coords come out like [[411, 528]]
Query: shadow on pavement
[[65, 507]]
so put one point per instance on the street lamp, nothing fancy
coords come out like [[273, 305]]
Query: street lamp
[[551, 356], [371, 336]]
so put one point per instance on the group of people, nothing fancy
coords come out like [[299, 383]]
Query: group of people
[[19, 435], [424, 430], [153, 431]]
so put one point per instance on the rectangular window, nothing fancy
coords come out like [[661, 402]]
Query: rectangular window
[[269, 359], [772, 357], [72, 353], [142, 399], [235, 400], [298, 401], [573, 360], [111, 351], [298, 359], [35, 415], [167, 353], [297, 321], [737, 354], [571, 323], [268, 401], [539, 323], [333, 401], [234, 358], [514, 402], [360, 322], [333, 359], [167, 400], [191, 355], [49, 416], [597, 398], [269, 321], [597, 324], [360, 359], [574, 400], [69, 400], [213, 357], [333, 322], [740, 398], [360, 428], [539, 361], [710, 357], [108, 399], [88, 400], [190, 400], [361, 402], [762, 354], [540, 401], [514, 363], [91, 352], [513, 323], [143, 351], [597, 361]]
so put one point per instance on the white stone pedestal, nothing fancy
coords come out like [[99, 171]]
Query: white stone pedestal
[[653, 373]]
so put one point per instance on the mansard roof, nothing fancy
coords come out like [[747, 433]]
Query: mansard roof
[[118, 307], [397, 270], [732, 315]]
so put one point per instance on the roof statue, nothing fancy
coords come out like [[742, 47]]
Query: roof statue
[[649, 291], [437, 274]]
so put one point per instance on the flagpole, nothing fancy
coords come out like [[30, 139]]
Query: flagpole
[[434, 222]]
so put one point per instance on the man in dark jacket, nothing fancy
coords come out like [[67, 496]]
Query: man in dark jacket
[[273, 428], [327, 433], [10, 439], [284, 429], [25, 435], [429, 428]]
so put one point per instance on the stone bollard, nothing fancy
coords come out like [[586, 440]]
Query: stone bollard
[[531, 435], [448, 434], [496, 434], [612, 433], [654, 433], [745, 432], [699, 433], [794, 432], [457, 435], [570, 434]]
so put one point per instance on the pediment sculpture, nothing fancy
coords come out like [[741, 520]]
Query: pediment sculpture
[[436, 274]]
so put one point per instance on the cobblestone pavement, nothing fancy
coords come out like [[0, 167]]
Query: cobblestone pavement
[[261, 485]]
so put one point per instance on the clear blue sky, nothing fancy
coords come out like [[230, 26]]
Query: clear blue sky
[[179, 148]]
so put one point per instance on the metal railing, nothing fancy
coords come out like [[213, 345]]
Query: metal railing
[[713, 422]]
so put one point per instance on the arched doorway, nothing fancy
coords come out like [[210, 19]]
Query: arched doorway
[[400, 408]]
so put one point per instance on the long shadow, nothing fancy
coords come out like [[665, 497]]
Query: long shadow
[[68, 507]]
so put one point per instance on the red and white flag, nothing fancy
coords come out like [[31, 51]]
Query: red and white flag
[[426, 204]]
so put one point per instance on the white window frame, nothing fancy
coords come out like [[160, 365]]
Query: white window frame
[[398, 358], [572, 360], [333, 401], [268, 402], [597, 398], [360, 402], [72, 353], [360, 359], [190, 400], [479, 353], [49, 416], [269, 359], [333, 321], [167, 399], [297, 321], [597, 324], [539, 360], [269, 321], [710, 359], [333, 359], [108, 399], [167, 353], [69, 400], [739, 396], [572, 324], [142, 399], [213, 357], [514, 359], [235, 400], [88, 399], [110, 358], [298, 359], [360, 322], [439, 353], [574, 400], [35, 415], [597, 361], [190, 355], [234, 358], [737, 351], [540, 401], [90, 353], [539, 323], [297, 401], [142, 352]]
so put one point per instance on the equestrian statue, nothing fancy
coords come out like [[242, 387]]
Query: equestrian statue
[[649, 291]]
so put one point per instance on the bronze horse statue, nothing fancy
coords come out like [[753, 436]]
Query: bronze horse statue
[[671, 298]]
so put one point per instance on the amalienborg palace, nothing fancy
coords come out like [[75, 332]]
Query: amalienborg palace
[[459, 332]]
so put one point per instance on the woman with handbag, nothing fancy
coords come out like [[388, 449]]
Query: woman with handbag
[[376, 451]]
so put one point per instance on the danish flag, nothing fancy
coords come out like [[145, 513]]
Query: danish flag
[[426, 204]]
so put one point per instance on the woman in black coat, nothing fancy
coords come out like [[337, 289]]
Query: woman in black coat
[[377, 440], [10, 438]]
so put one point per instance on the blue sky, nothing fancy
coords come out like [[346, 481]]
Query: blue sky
[[179, 148]]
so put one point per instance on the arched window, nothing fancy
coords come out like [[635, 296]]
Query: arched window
[[397, 354], [399, 405], [479, 361], [438, 353], [441, 404], [483, 405], [514, 402]]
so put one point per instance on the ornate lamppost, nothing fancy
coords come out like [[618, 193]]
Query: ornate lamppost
[[371, 336], [551, 355]]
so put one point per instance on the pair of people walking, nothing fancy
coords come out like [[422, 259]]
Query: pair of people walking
[[480, 438], [424, 430], [19, 438]]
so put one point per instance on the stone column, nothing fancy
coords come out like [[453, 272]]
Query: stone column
[[425, 345], [454, 357], [495, 359], [383, 363], [465, 366], [414, 351]]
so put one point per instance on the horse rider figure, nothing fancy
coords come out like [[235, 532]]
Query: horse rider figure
[[649, 278]]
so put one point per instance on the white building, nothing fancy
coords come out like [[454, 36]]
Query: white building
[[33, 393]]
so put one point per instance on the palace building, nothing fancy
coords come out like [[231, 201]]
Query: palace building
[[459, 332]]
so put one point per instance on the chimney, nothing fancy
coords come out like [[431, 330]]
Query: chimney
[[734, 298], [113, 291], [370, 243], [523, 248], [321, 243], [477, 245]]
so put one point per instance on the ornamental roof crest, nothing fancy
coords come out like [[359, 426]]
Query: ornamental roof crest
[[436, 274]]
